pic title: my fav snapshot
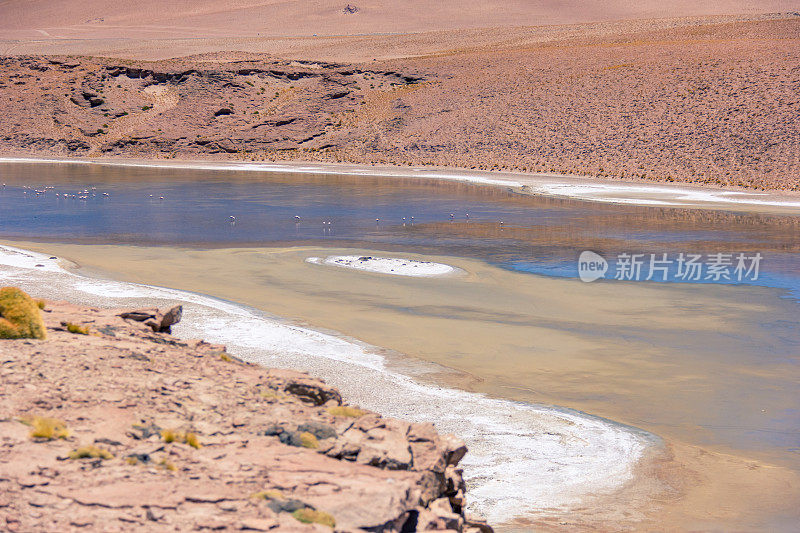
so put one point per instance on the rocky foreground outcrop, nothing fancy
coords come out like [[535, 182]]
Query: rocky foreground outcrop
[[112, 425]]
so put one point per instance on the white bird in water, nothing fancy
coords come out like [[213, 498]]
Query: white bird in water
[[160, 197], [297, 218], [452, 215], [467, 215], [233, 218]]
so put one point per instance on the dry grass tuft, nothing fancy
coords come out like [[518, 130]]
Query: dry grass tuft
[[167, 465], [347, 411], [90, 452], [189, 438], [46, 428], [308, 440], [310, 516], [271, 395], [20, 317], [192, 440], [75, 328], [169, 436], [271, 494]]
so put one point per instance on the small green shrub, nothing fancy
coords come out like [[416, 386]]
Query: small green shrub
[[310, 516], [347, 411], [20, 316], [90, 452]]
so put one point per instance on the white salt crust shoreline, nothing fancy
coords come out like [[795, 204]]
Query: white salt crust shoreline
[[553, 185], [386, 265], [524, 460]]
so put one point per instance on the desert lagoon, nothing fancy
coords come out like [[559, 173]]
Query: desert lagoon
[[711, 368]]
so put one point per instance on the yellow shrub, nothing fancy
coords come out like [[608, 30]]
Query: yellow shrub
[[192, 440], [20, 316], [309, 516], [308, 440], [270, 395], [346, 410], [47, 428], [75, 328], [179, 436], [92, 452], [272, 494], [167, 465]]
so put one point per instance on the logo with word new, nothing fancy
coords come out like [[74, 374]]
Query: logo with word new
[[591, 266]]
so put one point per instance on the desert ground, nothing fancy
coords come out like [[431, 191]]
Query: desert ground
[[675, 92], [179, 434]]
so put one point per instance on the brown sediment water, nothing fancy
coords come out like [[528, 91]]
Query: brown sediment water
[[711, 369]]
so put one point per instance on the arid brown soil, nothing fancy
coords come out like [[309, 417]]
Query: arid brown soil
[[712, 102], [179, 435]]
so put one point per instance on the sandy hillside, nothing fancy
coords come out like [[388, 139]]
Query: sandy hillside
[[22, 19], [711, 102], [707, 95]]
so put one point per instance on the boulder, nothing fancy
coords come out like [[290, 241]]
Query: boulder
[[312, 391], [170, 318], [440, 515], [159, 322]]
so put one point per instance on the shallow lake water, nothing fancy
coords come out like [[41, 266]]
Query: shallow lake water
[[169, 206], [710, 361]]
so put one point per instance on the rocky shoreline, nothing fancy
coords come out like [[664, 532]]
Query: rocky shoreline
[[111, 423]]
